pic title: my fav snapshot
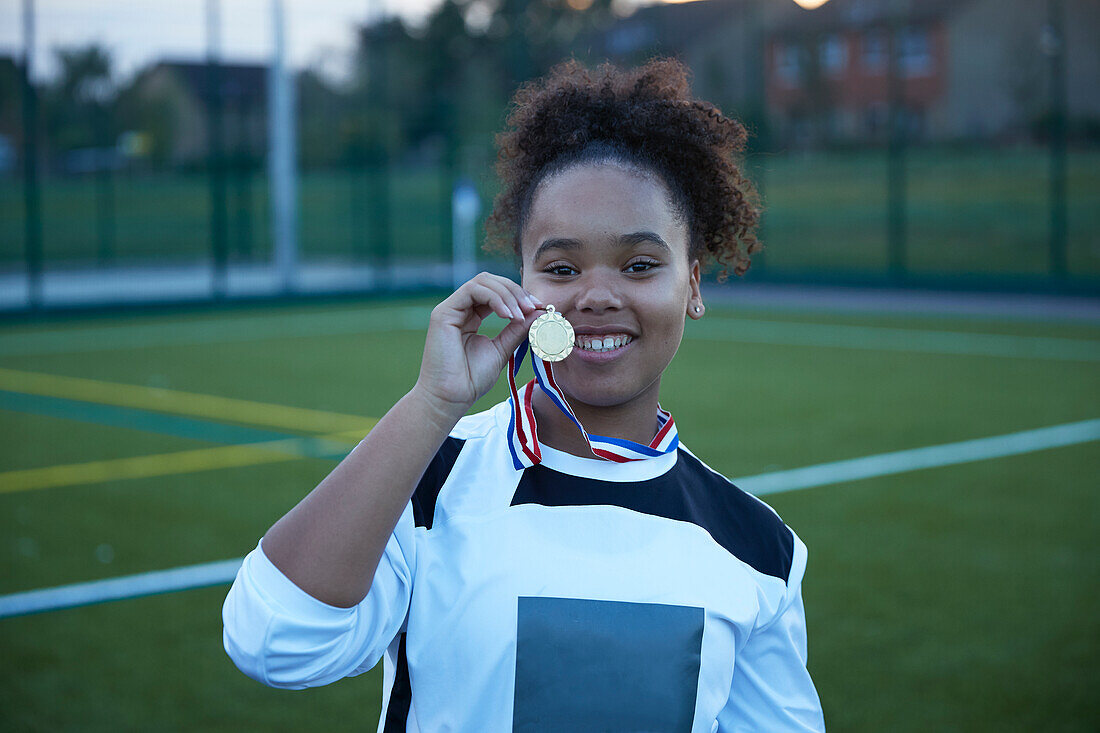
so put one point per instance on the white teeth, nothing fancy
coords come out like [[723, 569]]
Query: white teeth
[[597, 344]]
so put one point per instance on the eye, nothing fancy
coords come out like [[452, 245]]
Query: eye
[[642, 265], [560, 269]]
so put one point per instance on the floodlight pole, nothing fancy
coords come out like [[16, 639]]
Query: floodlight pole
[[215, 130], [282, 156], [32, 232]]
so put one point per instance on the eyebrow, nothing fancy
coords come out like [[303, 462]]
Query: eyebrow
[[627, 240], [557, 243]]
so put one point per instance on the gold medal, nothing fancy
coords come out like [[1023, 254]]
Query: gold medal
[[551, 336]]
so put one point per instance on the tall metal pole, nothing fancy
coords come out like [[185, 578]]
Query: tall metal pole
[[215, 131], [32, 231], [1055, 46], [282, 157]]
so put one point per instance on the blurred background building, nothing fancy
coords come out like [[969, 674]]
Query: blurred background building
[[904, 143]]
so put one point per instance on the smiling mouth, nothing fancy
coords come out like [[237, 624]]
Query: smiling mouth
[[601, 344]]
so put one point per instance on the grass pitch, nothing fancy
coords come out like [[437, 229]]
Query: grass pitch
[[955, 598]]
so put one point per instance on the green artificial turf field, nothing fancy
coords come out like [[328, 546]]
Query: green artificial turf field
[[951, 598]]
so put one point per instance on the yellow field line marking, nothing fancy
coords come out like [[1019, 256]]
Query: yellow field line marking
[[164, 464], [182, 403]]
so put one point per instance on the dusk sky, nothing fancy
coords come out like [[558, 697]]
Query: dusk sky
[[136, 31], [320, 32]]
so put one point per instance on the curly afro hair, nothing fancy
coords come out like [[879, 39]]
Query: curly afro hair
[[645, 118]]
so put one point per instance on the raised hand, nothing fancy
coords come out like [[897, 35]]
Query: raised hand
[[460, 365]]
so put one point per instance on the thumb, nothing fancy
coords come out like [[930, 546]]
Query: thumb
[[509, 339]]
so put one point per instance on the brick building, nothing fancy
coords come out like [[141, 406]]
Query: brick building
[[964, 68]]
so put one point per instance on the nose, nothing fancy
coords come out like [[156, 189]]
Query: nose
[[598, 291]]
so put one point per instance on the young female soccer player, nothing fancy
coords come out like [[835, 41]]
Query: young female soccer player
[[559, 562]]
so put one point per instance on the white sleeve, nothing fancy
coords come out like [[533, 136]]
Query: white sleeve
[[278, 634], [772, 689]]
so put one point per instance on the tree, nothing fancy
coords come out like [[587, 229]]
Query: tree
[[452, 77], [77, 104]]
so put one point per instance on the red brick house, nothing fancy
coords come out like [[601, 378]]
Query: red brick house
[[965, 68], [828, 70]]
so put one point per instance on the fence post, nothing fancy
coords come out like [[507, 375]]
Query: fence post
[[380, 195], [465, 207], [448, 164], [1053, 42], [105, 185], [756, 63], [243, 162], [518, 51], [380, 191], [895, 165]]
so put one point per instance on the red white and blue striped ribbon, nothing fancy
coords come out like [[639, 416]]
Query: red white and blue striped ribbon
[[523, 436]]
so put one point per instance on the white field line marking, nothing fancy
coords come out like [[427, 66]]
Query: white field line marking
[[884, 464], [117, 589], [894, 339], [934, 456], [415, 318]]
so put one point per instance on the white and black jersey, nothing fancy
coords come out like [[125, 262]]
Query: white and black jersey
[[575, 595]]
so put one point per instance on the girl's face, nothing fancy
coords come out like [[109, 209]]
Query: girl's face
[[604, 245]]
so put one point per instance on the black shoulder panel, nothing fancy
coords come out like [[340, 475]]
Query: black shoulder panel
[[690, 492], [435, 475]]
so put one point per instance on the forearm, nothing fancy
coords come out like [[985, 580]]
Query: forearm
[[330, 544]]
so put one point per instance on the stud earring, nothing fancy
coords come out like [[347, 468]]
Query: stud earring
[[697, 309]]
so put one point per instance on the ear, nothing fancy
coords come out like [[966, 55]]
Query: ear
[[695, 308]]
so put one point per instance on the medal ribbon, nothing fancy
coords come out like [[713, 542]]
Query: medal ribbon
[[523, 439]]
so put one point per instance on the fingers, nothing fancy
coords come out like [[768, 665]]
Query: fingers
[[503, 302], [502, 296], [519, 302]]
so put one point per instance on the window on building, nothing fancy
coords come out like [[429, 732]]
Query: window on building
[[875, 117], [874, 56], [788, 63], [833, 54], [915, 58]]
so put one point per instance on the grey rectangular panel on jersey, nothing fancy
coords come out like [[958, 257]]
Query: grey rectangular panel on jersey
[[606, 665]]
